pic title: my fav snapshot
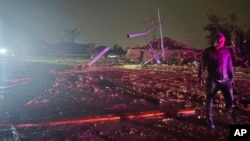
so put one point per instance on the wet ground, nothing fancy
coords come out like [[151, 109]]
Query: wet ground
[[58, 102]]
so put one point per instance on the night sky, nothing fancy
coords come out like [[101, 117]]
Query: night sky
[[107, 22]]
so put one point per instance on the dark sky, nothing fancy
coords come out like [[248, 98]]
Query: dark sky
[[107, 22]]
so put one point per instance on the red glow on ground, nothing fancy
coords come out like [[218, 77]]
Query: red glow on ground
[[77, 121], [147, 115], [91, 119], [186, 112]]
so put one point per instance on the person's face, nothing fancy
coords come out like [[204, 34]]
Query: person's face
[[220, 41]]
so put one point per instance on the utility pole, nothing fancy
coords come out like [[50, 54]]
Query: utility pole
[[162, 45]]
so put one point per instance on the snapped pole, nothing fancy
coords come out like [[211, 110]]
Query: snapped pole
[[162, 45]]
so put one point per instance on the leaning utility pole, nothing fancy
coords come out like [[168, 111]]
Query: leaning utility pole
[[162, 45]]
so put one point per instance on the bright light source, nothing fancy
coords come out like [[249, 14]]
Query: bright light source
[[3, 51], [113, 56]]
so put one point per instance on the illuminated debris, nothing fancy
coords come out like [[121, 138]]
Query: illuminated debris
[[159, 82], [40, 101], [82, 93]]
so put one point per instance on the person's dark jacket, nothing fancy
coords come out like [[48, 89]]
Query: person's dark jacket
[[218, 63]]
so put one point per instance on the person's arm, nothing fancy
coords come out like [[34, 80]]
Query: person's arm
[[230, 69], [201, 69]]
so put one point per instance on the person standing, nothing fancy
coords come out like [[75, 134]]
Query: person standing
[[217, 61]]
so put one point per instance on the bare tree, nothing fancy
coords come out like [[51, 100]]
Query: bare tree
[[218, 24], [71, 34]]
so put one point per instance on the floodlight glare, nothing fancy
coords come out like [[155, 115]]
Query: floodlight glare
[[3, 51]]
